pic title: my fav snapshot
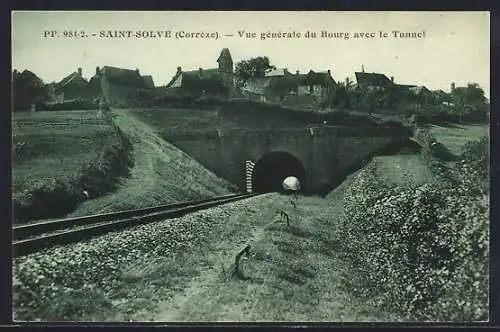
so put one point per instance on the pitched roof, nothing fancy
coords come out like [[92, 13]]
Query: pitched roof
[[285, 83], [124, 77], [278, 72], [28, 77], [148, 79], [419, 89], [317, 78], [73, 78], [372, 79], [174, 79], [196, 78], [201, 74]]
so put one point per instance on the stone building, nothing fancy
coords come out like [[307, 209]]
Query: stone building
[[119, 86], [282, 86], [213, 81], [71, 87]]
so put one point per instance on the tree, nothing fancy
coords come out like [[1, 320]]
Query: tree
[[472, 95], [254, 67], [28, 89]]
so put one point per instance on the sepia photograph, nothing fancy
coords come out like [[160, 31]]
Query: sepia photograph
[[218, 166]]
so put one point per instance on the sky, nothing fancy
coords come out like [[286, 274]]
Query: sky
[[453, 47]]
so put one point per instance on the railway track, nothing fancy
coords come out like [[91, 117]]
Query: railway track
[[36, 236]]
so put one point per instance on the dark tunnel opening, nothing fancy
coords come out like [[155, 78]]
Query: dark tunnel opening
[[270, 171]]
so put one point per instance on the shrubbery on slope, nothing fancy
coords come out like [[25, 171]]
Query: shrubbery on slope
[[423, 250]]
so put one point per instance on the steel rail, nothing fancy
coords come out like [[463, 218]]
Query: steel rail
[[34, 237]]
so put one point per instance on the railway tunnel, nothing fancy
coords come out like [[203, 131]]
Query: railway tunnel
[[272, 168]]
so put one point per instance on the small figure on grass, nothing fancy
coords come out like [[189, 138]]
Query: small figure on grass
[[291, 186], [235, 270]]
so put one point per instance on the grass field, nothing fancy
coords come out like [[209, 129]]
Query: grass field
[[402, 169], [53, 150], [46, 144], [161, 174], [192, 120], [454, 137]]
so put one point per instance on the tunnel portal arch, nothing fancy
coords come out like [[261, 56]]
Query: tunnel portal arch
[[272, 168]]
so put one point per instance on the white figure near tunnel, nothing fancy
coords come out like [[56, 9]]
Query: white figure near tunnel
[[291, 184], [270, 171]]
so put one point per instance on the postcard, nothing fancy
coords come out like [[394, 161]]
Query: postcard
[[218, 166]]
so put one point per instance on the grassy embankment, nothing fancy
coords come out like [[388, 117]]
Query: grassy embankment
[[161, 174], [56, 155], [241, 116], [167, 120], [455, 136], [122, 164], [421, 249]]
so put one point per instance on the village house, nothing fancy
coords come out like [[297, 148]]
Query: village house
[[373, 81], [71, 87], [214, 81], [282, 86], [377, 81], [118, 85]]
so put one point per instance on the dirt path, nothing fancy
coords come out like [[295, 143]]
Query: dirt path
[[195, 294]]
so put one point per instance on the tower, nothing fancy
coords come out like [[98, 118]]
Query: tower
[[225, 61], [226, 69]]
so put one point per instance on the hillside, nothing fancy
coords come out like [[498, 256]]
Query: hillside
[[56, 155], [241, 115], [455, 136], [161, 174]]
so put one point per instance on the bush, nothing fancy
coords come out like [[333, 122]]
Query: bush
[[422, 250]]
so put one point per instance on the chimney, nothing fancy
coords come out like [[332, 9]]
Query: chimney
[[97, 71], [79, 70], [200, 71], [137, 70], [297, 72], [392, 79], [452, 86], [329, 72]]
